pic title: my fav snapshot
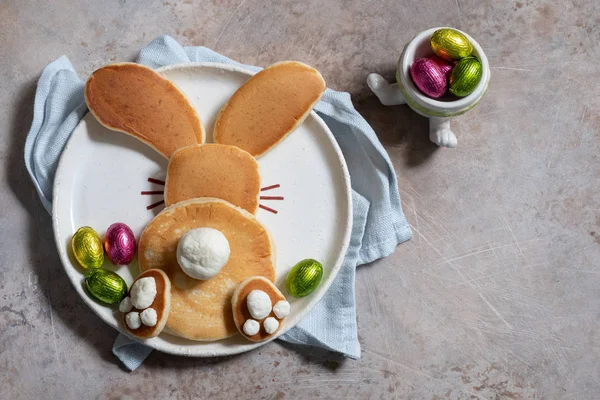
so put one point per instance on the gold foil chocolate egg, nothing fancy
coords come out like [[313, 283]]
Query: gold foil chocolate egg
[[87, 248], [450, 44], [465, 76], [106, 286], [304, 278]]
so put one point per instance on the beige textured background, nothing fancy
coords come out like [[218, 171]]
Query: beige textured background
[[498, 294]]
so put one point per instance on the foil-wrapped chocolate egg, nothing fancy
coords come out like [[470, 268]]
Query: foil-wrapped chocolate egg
[[450, 44], [304, 278], [119, 243], [465, 76], [87, 248], [428, 77], [106, 286]]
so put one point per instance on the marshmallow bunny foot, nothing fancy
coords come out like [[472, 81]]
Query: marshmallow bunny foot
[[387, 93], [440, 133]]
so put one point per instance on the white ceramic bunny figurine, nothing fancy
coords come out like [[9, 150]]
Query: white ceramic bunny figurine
[[390, 95], [405, 92]]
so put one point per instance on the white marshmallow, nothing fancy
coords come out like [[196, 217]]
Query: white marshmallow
[[281, 309], [202, 252], [251, 327], [133, 320], [149, 317], [143, 292], [125, 305], [259, 304], [271, 325]]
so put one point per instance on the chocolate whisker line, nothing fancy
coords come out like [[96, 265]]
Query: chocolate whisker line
[[271, 197], [269, 209], [270, 187], [158, 203], [157, 181]]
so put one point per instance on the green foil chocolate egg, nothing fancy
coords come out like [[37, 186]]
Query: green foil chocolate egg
[[304, 278], [450, 44], [465, 76], [87, 248], [106, 286]]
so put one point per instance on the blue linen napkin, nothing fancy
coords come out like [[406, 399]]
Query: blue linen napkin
[[379, 224]]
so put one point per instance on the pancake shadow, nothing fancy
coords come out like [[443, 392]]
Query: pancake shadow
[[310, 355], [43, 256], [315, 355], [397, 127]]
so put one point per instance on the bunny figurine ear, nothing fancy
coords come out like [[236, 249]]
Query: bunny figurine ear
[[134, 99], [269, 106]]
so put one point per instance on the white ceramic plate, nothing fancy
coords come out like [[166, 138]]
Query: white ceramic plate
[[102, 173]]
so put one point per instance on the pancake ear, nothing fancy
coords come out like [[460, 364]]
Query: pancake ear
[[269, 106], [135, 100]]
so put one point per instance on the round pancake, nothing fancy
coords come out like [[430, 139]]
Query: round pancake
[[201, 310], [269, 106], [133, 99], [213, 170]]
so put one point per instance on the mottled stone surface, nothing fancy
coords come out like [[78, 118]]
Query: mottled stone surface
[[498, 294]]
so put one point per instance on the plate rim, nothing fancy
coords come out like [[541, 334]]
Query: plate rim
[[177, 349]]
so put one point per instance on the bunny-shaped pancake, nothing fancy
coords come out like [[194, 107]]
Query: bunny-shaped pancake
[[213, 186]]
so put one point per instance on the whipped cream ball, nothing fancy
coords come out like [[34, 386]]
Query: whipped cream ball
[[202, 252], [251, 327], [271, 325], [281, 309], [133, 320], [125, 306], [259, 304], [149, 317], [143, 292]]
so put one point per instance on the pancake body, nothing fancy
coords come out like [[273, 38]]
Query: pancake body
[[213, 170], [161, 304], [269, 106], [133, 99], [240, 309], [201, 310]]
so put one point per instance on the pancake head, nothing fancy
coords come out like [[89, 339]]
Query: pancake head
[[213, 170]]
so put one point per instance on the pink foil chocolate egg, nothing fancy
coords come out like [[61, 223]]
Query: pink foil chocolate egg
[[428, 77], [119, 243]]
